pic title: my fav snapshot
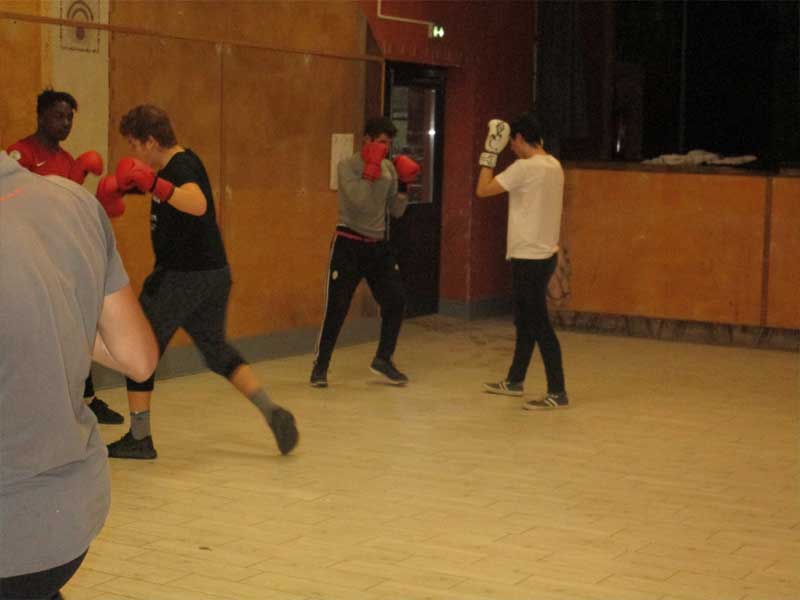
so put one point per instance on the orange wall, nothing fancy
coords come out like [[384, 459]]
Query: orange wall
[[261, 119], [22, 75], [783, 289], [686, 246], [310, 25]]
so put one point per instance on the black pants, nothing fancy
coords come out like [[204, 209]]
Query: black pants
[[351, 261], [530, 279], [198, 302], [88, 387], [42, 585]]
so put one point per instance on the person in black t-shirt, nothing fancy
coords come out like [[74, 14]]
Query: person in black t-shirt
[[191, 282]]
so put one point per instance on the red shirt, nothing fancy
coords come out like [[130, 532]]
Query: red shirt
[[39, 159]]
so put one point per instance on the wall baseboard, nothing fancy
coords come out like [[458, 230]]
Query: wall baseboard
[[720, 334], [477, 309]]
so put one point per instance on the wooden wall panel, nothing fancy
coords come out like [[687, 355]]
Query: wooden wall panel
[[279, 113], [261, 120], [783, 290], [196, 19], [21, 76], [666, 245], [321, 25], [184, 79]]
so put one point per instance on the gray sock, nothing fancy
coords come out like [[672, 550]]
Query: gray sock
[[140, 424], [264, 404]]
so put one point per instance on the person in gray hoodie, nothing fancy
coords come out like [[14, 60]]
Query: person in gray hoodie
[[371, 189]]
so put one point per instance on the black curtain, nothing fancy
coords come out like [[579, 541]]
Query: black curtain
[[561, 101]]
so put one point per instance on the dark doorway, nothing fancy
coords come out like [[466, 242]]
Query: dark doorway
[[414, 101]]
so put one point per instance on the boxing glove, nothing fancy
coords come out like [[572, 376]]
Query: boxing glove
[[373, 153], [88, 162], [110, 196], [496, 140], [135, 176], [407, 168]]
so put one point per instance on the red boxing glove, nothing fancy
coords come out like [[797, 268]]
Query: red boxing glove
[[407, 168], [135, 176], [373, 153], [88, 162], [110, 196]]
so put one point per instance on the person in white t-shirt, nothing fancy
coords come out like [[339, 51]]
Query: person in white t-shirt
[[535, 186]]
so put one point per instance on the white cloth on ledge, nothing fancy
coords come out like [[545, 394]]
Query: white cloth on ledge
[[699, 157]]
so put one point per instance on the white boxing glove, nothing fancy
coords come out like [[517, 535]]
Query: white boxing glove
[[496, 141]]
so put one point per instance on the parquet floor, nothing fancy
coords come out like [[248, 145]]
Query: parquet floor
[[673, 475]]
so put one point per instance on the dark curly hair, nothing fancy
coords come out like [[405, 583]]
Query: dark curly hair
[[49, 97]]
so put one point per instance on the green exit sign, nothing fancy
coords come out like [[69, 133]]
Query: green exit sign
[[435, 31]]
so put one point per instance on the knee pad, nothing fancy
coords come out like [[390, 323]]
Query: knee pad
[[144, 386], [225, 363]]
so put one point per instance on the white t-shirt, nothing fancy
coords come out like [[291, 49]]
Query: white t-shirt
[[535, 188]]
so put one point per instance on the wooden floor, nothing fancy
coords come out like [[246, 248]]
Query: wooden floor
[[674, 474]]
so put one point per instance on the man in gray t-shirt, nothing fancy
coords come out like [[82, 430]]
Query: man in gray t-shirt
[[64, 299]]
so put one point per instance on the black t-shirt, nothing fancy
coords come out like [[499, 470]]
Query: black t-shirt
[[184, 242]]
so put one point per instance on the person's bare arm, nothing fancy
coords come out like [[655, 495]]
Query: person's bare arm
[[189, 198], [488, 184], [125, 340]]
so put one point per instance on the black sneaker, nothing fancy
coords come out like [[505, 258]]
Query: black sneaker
[[281, 421], [319, 376], [388, 370], [506, 388], [129, 447], [104, 413], [550, 401]]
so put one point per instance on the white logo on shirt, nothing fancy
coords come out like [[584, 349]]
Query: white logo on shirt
[[41, 163]]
